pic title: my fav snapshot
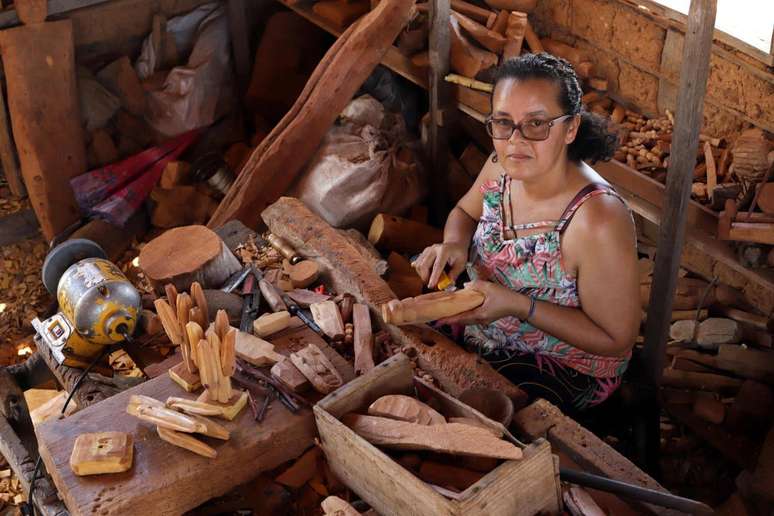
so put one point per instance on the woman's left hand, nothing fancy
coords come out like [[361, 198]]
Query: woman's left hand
[[499, 302]]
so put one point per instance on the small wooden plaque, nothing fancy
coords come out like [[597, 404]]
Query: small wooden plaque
[[185, 379], [232, 408], [102, 452]]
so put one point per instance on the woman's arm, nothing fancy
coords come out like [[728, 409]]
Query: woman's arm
[[602, 241], [457, 233]]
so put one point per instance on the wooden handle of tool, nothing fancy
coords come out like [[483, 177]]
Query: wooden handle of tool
[[284, 248], [430, 307]]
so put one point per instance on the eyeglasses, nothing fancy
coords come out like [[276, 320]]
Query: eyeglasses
[[535, 129]]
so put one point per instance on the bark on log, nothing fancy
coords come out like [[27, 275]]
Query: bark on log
[[281, 156], [183, 255], [346, 271]]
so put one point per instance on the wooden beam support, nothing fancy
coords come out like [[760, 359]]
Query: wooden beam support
[[240, 41], [440, 104], [8, 154], [693, 86]]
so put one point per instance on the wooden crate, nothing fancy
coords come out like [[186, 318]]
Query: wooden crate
[[524, 487]]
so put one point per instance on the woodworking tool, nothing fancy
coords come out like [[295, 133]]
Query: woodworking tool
[[634, 492], [251, 301], [285, 249], [98, 305], [236, 279], [299, 312]]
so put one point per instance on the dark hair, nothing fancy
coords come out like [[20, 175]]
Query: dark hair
[[593, 142]]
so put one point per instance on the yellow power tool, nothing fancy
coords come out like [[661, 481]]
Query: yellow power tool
[[98, 305]]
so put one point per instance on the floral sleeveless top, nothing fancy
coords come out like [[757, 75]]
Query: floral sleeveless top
[[531, 265]]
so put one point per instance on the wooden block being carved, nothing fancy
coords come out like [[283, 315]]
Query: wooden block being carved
[[466, 59], [451, 438], [402, 235], [268, 324], [256, 351], [287, 373], [405, 408], [430, 307], [328, 318], [363, 339], [448, 476], [317, 368], [231, 408], [102, 452], [489, 39], [184, 378], [514, 32]]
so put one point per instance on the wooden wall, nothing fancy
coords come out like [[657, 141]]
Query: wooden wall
[[640, 53]]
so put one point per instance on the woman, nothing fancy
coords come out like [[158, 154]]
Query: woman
[[552, 246]]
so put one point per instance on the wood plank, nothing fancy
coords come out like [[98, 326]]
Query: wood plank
[[39, 65], [166, 479], [8, 17], [693, 85]]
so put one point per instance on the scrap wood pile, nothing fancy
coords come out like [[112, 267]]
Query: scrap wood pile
[[11, 492], [718, 392]]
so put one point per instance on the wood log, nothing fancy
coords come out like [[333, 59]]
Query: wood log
[[760, 322], [405, 408], [452, 438], [701, 381], [183, 255], [39, 66], [175, 173], [8, 157], [712, 173], [113, 239], [752, 410], [501, 22], [341, 13], [328, 318], [430, 307], [514, 32], [481, 15], [402, 235], [406, 285], [363, 339], [277, 161], [304, 273], [466, 58], [750, 363], [533, 40], [302, 470], [525, 6], [766, 198], [180, 206], [489, 39], [562, 50]]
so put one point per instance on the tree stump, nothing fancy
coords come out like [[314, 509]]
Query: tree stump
[[186, 254]]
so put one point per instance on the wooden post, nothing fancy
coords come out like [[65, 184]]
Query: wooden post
[[8, 153], [690, 107], [440, 109]]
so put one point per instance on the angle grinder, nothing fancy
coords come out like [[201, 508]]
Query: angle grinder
[[98, 305]]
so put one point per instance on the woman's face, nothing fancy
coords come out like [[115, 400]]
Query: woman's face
[[537, 101]]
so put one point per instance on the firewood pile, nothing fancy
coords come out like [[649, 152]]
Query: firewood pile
[[11, 492], [718, 392]]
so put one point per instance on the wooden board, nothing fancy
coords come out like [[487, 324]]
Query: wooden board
[[166, 479], [39, 68]]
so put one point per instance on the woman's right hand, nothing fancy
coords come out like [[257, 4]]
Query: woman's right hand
[[435, 258]]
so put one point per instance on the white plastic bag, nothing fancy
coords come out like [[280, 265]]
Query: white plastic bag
[[365, 166], [192, 95]]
